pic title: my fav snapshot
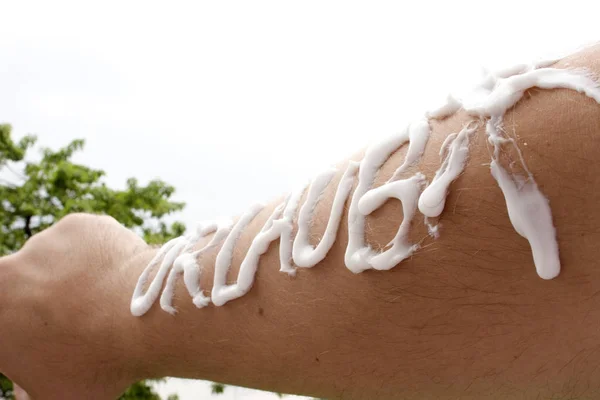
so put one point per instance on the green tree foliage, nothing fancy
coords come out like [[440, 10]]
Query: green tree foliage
[[141, 390], [36, 194], [5, 388], [217, 388], [46, 190]]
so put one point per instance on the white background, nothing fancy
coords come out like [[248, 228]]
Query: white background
[[238, 101]]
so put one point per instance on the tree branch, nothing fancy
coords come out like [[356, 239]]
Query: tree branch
[[27, 228]]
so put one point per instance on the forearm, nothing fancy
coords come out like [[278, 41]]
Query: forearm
[[463, 314]]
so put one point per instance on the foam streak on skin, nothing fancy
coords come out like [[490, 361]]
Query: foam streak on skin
[[286, 225], [186, 263], [192, 280], [530, 215], [358, 253], [304, 254], [450, 106], [141, 302], [528, 209], [182, 260], [508, 91], [221, 294], [280, 225], [225, 255], [418, 135], [407, 191], [433, 198]]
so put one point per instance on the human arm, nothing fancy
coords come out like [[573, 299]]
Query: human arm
[[465, 315]]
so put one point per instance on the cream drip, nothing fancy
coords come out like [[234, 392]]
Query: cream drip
[[528, 209]]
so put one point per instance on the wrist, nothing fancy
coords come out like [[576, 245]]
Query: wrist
[[139, 333], [159, 341]]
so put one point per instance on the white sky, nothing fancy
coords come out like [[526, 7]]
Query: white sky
[[234, 102]]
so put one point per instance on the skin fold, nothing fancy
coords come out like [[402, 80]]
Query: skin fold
[[466, 316]]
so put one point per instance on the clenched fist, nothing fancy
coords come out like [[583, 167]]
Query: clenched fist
[[66, 329]]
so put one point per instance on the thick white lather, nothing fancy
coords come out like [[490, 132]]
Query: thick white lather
[[529, 211]]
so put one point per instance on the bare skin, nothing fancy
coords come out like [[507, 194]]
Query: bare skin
[[466, 317]]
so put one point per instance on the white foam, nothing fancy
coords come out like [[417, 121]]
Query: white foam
[[529, 211]]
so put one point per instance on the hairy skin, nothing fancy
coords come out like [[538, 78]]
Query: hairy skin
[[465, 317]]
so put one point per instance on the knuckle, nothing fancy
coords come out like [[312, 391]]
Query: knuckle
[[75, 220], [108, 219]]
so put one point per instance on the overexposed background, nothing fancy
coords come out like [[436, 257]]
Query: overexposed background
[[238, 101]]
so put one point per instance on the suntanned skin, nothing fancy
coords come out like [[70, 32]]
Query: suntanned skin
[[465, 317]]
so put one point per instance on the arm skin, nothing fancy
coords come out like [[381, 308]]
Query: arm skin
[[465, 317]]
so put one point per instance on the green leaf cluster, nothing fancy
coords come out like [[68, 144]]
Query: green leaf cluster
[[35, 194]]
